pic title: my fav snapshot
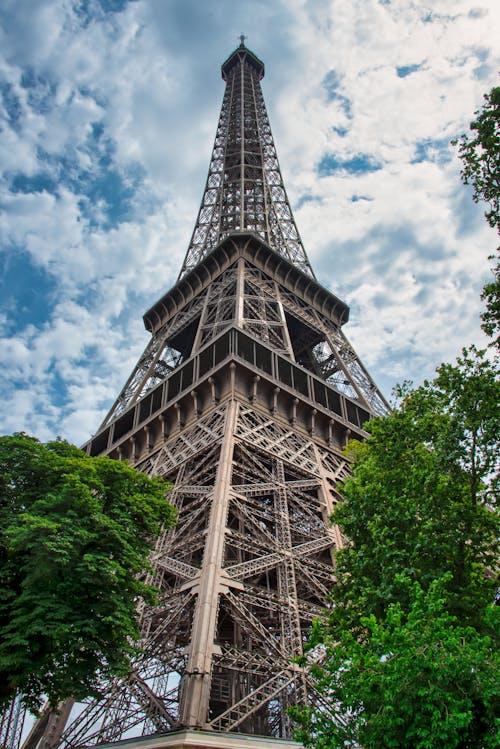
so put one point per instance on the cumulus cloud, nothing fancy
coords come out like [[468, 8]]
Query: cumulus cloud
[[108, 112]]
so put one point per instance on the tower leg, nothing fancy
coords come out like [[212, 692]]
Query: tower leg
[[195, 688], [47, 730]]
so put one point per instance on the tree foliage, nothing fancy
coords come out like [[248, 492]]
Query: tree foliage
[[414, 679], [480, 155], [75, 533], [406, 653]]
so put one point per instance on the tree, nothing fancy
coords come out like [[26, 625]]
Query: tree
[[480, 154], [406, 652], [415, 679], [75, 533]]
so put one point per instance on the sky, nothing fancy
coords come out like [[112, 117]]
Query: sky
[[108, 111]]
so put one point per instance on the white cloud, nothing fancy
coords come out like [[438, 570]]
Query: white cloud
[[404, 244], [407, 210]]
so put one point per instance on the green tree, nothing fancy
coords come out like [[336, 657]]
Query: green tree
[[480, 155], [75, 533], [406, 651], [411, 679]]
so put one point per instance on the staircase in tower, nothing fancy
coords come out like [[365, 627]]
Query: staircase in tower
[[244, 398]]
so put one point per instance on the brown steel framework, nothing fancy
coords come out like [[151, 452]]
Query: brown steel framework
[[244, 189], [244, 398]]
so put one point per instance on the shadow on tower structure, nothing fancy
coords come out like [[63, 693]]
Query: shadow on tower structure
[[244, 398]]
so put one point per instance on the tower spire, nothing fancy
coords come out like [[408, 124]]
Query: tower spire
[[244, 189]]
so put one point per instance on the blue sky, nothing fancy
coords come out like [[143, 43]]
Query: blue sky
[[108, 110]]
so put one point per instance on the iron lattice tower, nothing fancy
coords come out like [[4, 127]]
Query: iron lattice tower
[[244, 398]]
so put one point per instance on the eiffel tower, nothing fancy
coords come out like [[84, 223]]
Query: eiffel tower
[[244, 398]]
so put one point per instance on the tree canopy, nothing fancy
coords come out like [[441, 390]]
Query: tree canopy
[[75, 534], [480, 155], [406, 654]]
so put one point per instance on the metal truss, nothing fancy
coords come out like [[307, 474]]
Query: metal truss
[[242, 399], [160, 357], [11, 724], [263, 314], [244, 189], [251, 518], [250, 299], [331, 355]]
